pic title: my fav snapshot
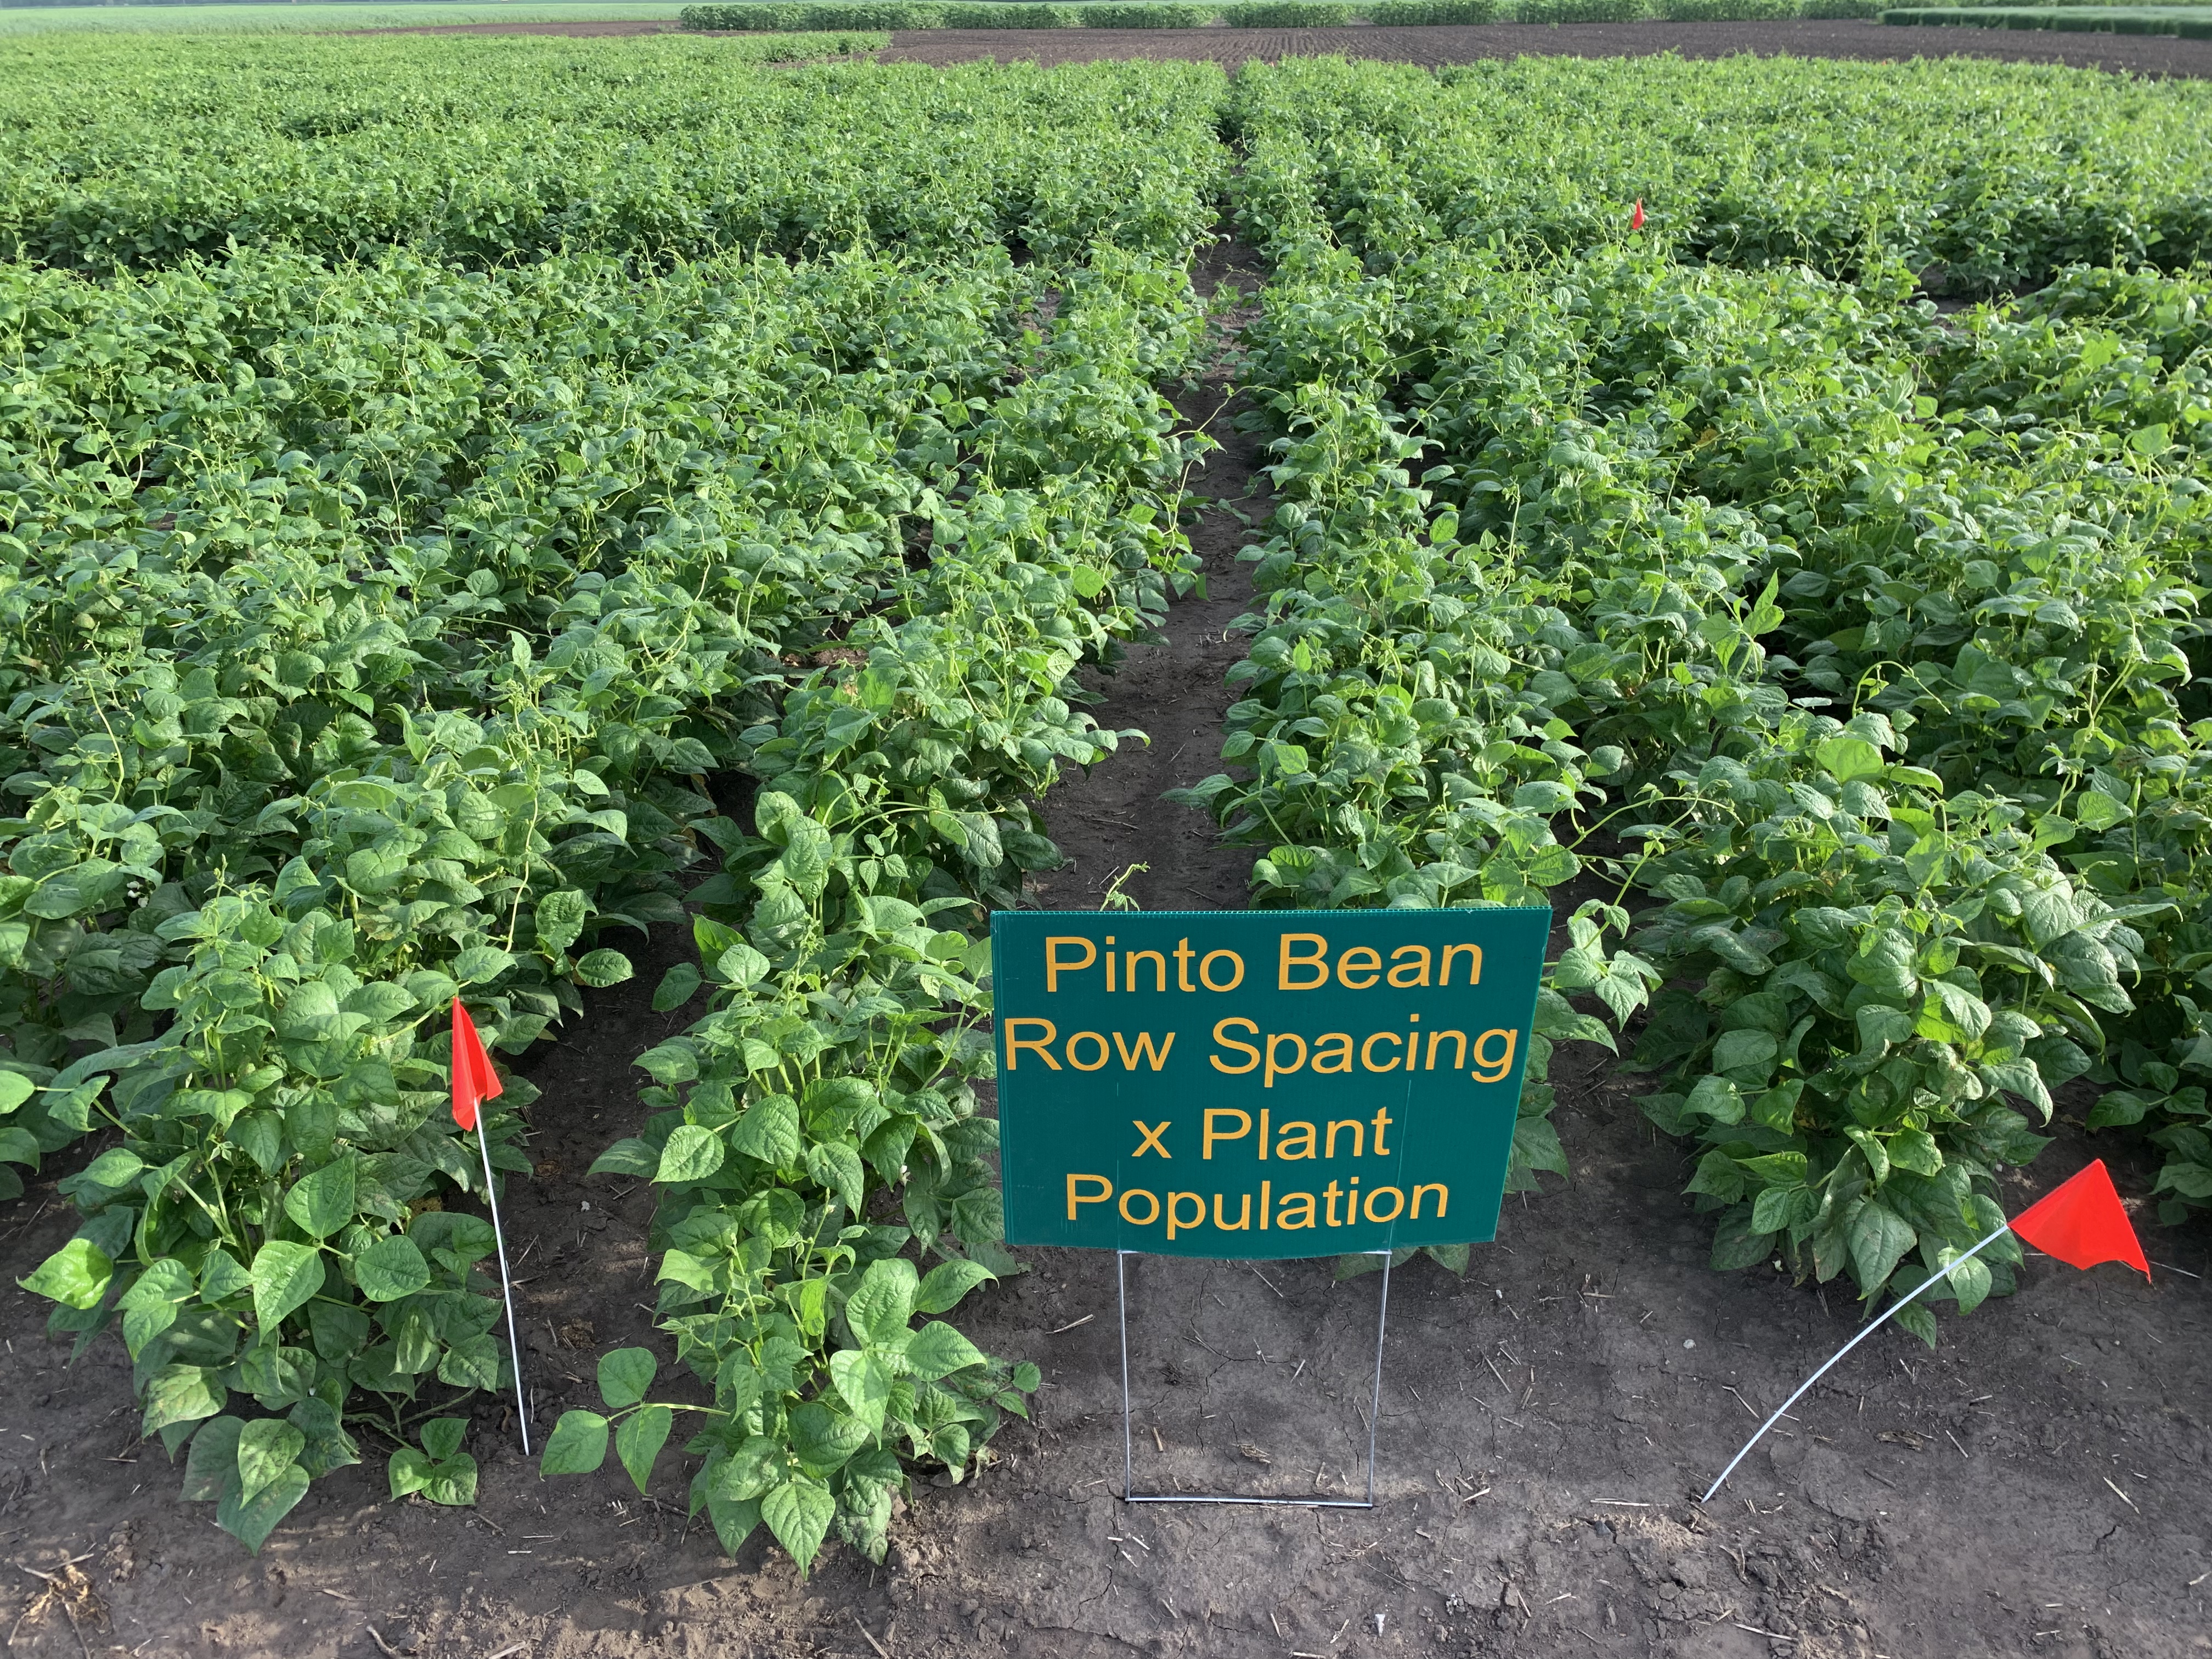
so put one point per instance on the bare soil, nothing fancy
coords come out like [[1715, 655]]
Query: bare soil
[[2134, 54], [1433, 47], [2034, 1485]]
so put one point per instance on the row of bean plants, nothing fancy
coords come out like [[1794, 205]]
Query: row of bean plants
[[138, 153], [372, 633], [1735, 544], [1984, 177], [822, 1116]]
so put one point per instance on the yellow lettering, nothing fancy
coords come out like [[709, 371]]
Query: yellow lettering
[[1195, 1222], [1397, 1203], [1300, 1135], [1139, 1220], [1221, 1037], [1053, 967], [1318, 961], [1104, 1054], [1205, 970], [1243, 1127], [1358, 1135], [1299, 1205], [1042, 1045], [1459, 1048], [1105, 1191], [1442, 1197], [1275, 1068], [1473, 954], [1152, 1133], [1129, 961], [1359, 959], [1243, 1215], [1367, 1051], [1490, 1069], [1335, 1046], [1409, 966], [1143, 1051]]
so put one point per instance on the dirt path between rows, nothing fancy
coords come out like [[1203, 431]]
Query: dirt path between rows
[[2134, 54], [2034, 1486]]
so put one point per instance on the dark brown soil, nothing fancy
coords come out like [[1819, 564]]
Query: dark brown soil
[[1876, 42], [2134, 54], [2035, 1486]]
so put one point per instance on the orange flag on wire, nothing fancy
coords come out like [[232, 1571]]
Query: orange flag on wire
[[474, 1079], [1636, 222], [2081, 1223]]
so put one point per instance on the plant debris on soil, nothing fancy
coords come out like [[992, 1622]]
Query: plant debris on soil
[[2033, 1486], [2134, 54]]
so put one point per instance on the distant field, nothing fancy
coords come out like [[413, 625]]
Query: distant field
[[342, 15]]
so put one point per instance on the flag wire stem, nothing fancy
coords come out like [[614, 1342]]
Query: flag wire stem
[[1888, 1313], [506, 1290]]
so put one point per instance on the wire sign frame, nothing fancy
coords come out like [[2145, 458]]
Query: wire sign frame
[[1129, 1492]]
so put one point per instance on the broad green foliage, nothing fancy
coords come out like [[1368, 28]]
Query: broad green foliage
[[370, 633], [1996, 174], [1860, 642], [836, 1068], [488, 151]]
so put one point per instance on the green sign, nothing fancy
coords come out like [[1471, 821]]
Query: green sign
[[1261, 1083]]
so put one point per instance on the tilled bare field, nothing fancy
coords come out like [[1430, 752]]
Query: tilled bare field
[[1871, 42]]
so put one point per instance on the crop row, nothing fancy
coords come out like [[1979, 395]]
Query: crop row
[[484, 152], [1667, 569], [370, 635], [1984, 178], [787, 14]]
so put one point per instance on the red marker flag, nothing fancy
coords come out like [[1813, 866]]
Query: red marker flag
[[2081, 1222], [474, 1079], [1637, 222]]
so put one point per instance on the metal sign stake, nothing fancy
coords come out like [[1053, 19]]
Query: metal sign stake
[[1129, 1492]]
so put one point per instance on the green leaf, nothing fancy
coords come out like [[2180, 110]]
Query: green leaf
[[113, 1168], [285, 1275], [391, 1268], [442, 1437], [770, 1132], [76, 1275], [266, 1448], [628, 1156], [678, 987], [838, 1166], [639, 1439], [865, 1379], [798, 1512], [408, 1471], [624, 1376], [692, 1153], [213, 1460], [937, 1350], [578, 1445], [251, 1523], [883, 1301], [182, 1393], [560, 918], [945, 1284], [480, 963], [1844, 759], [15, 1090], [1879, 1237], [601, 967], [323, 1202]]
